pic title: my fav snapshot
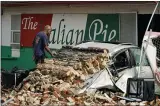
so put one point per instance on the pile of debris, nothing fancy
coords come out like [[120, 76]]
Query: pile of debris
[[57, 82]]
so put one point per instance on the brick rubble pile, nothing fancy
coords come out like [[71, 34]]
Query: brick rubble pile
[[56, 82]]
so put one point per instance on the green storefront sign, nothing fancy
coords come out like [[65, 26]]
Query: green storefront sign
[[102, 27]]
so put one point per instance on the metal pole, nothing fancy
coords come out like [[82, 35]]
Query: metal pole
[[146, 45], [140, 63]]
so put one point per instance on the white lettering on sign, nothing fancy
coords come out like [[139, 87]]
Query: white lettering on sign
[[95, 30], [112, 36], [29, 24], [101, 30]]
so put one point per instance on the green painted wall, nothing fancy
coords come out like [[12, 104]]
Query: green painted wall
[[25, 60], [5, 51]]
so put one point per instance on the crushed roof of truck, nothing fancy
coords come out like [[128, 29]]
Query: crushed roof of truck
[[111, 47]]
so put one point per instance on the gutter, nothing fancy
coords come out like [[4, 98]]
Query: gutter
[[17, 4], [33, 3]]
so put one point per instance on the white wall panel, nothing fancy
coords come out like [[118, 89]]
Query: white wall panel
[[128, 28], [6, 29]]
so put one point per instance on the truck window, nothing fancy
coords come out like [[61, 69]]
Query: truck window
[[121, 61], [136, 52]]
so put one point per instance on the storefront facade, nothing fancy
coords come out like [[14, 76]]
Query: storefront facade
[[71, 23]]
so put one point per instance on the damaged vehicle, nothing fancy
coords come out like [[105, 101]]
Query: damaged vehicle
[[124, 64], [77, 72]]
